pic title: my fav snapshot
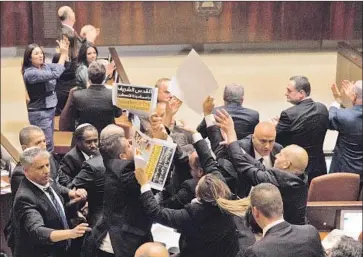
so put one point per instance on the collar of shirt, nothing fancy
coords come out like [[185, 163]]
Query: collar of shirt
[[68, 26], [40, 186], [86, 157], [265, 229]]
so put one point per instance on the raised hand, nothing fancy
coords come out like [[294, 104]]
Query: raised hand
[[172, 107], [63, 45], [159, 132], [347, 88], [225, 122], [110, 68], [155, 120], [336, 93], [208, 105], [141, 177], [275, 120]]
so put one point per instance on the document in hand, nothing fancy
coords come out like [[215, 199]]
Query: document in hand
[[154, 156], [193, 82], [140, 100]]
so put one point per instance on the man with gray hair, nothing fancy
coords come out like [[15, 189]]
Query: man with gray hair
[[94, 104], [348, 151], [280, 238], [245, 119], [41, 225]]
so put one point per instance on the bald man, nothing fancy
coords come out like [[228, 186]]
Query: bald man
[[288, 172], [151, 250], [348, 151], [68, 19]]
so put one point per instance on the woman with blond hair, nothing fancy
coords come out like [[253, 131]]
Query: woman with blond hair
[[206, 224]]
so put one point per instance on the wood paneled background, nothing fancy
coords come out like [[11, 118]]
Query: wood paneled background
[[142, 23]]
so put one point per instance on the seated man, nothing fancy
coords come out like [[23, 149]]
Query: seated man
[[152, 250], [280, 238], [92, 105], [41, 226], [92, 177], [86, 137], [287, 174], [244, 119]]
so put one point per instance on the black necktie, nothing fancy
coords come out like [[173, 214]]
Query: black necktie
[[261, 160], [58, 207]]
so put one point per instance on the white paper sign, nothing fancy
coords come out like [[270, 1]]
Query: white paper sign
[[193, 82]]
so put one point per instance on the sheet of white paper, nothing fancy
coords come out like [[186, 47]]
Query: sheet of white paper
[[195, 81], [165, 235]]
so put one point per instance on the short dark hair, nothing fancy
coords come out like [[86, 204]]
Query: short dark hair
[[96, 72], [233, 93], [81, 129], [347, 247], [25, 133], [82, 53], [267, 199], [27, 58], [112, 146], [302, 83]]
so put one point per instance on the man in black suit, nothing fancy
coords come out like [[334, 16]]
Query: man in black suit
[[287, 173], [244, 119], [305, 124], [124, 226], [86, 137], [92, 177], [280, 238], [68, 18], [41, 226], [94, 104]]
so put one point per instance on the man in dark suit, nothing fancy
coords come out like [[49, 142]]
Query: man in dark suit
[[280, 238], [305, 124], [41, 226], [86, 138], [244, 119], [68, 18], [348, 151], [94, 104], [287, 173], [124, 226], [92, 177]]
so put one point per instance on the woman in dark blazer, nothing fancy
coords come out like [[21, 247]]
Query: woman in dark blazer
[[206, 224]]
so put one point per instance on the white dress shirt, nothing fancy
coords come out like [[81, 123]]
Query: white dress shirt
[[86, 157], [266, 159], [265, 229], [43, 188], [68, 26]]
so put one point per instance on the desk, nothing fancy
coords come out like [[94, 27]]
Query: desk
[[62, 141]]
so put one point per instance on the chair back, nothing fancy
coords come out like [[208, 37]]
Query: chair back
[[334, 187]]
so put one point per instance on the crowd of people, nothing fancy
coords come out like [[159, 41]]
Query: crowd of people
[[238, 186]]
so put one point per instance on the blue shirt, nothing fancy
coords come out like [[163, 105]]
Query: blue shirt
[[40, 84]]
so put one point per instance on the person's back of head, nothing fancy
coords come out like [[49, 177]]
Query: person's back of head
[[65, 14], [347, 247], [110, 130], [116, 146], [357, 93], [292, 158], [96, 72], [266, 204], [233, 93], [152, 249]]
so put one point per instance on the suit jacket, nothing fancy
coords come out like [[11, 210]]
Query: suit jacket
[[293, 189], [206, 231], [92, 178], [286, 240], [348, 151], [184, 196], [124, 219], [35, 218], [305, 124], [94, 105], [245, 120], [71, 165], [75, 41]]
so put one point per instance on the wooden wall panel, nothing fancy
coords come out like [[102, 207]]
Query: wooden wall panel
[[140, 23], [16, 23]]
